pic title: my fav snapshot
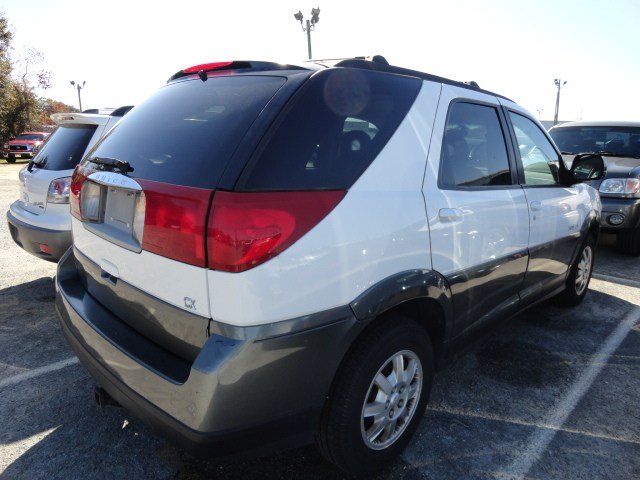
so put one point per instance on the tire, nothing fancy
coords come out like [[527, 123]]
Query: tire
[[347, 433], [11, 160], [629, 242], [579, 276]]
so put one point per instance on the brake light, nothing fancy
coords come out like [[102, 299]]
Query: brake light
[[174, 221], [247, 229], [80, 174], [206, 67], [59, 190]]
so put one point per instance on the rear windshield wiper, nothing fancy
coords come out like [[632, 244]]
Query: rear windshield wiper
[[121, 165]]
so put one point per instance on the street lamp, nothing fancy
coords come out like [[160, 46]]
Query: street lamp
[[558, 83], [79, 87], [315, 18]]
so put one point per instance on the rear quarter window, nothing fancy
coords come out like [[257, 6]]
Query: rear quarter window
[[331, 131], [65, 147]]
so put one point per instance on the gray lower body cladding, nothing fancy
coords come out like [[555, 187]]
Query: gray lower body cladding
[[251, 393], [29, 237], [628, 207]]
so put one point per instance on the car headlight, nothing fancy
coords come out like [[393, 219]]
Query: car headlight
[[620, 186], [6, 146]]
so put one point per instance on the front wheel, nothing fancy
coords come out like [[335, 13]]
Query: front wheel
[[579, 276], [629, 242], [378, 398], [11, 160]]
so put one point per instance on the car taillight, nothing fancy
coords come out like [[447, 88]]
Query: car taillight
[[174, 220], [79, 176], [59, 190], [247, 229]]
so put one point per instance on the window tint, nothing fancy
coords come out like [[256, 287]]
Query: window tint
[[614, 140], [337, 125], [64, 149], [539, 158], [474, 153], [186, 133], [30, 136]]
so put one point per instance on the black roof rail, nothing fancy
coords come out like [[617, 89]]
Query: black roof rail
[[377, 64], [121, 111]]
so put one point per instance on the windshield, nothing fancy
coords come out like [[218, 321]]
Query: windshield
[[64, 150], [186, 133], [30, 136], [620, 141]]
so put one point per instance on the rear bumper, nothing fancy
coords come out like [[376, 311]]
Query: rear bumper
[[628, 207], [240, 395], [30, 237]]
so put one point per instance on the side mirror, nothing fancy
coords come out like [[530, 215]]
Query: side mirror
[[587, 166]]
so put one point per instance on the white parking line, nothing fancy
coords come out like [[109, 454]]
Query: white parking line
[[541, 439], [36, 372], [611, 279]]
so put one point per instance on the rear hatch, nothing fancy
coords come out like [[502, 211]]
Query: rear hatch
[[141, 199], [57, 158]]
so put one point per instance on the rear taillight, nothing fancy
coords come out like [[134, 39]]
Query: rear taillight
[[247, 229], [78, 178], [59, 190], [174, 221]]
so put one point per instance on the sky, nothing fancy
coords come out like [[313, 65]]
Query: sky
[[125, 50]]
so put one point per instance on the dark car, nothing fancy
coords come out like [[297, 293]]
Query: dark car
[[24, 145], [619, 145]]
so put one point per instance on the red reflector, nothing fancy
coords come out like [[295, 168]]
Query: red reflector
[[174, 222], [247, 229], [44, 248], [207, 67]]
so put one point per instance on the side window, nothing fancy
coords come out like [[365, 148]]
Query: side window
[[539, 159], [474, 153], [336, 126]]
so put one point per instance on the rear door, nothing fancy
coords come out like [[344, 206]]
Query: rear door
[[477, 212], [554, 209]]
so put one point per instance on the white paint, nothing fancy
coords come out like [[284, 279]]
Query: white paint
[[377, 230], [541, 439], [36, 372], [488, 223]]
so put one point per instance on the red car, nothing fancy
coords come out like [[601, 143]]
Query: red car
[[24, 145]]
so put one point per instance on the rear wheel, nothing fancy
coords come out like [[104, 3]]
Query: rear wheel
[[629, 242], [580, 275], [378, 398]]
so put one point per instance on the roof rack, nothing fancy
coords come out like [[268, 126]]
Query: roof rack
[[378, 65]]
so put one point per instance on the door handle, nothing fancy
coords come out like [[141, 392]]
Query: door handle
[[450, 214], [536, 205]]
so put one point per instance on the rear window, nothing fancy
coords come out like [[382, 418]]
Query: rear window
[[186, 133], [64, 149], [332, 131]]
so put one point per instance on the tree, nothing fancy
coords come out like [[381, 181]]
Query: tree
[[20, 107]]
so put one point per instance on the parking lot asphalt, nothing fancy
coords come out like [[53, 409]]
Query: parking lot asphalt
[[551, 394]]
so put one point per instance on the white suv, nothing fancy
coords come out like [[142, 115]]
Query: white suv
[[267, 254], [39, 220]]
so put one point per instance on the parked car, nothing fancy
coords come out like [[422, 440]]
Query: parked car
[[24, 146], [266, 255], [39, 221], [619, 144]]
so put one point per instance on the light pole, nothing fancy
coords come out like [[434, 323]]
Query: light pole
[[558, 83], [79, 87], [311, 24]]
